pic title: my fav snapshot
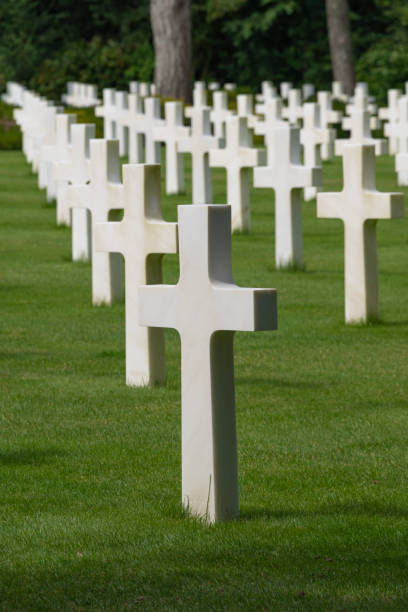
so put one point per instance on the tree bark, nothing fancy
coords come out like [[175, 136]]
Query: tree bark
[[338, 25], [171, 26]]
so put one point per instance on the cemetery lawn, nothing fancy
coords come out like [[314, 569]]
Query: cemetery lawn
[[90, 514]]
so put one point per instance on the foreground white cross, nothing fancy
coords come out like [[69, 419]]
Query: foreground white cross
[[103, 194], [171, 132], [142, 237], [199, 144], [76, 171], [359, 206], [237, 158], [285, 174], [206, 307]]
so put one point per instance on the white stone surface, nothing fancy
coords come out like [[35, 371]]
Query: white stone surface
[[142, 237], [214, 85], [76, 171], [108, 111], [401, 159], [199, 143], [359, 205], [312, 136], [81, 95], [170, 133], [219, 113], [390, 114], [308, 91], [58, 152], [200, 98], [328, 117], [338, 92], [273, 119], [43, 132], [14, 94], [104, 193], [230, 86], [237, 157], [152, 121], [284, 89], [245, 108], [268, 91], [122, 130], [294, 110], [133, 119], [206, 307], [287, 176], [360, 133]]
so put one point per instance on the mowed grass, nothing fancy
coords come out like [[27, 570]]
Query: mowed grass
[[90, 469]]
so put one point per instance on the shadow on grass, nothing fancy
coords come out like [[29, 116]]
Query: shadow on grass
[[367, 509], [30, 456]]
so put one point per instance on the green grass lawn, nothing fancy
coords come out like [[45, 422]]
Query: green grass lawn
[[90, 469]]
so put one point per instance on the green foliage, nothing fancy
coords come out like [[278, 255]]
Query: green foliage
[[384, 61], [44, 45]]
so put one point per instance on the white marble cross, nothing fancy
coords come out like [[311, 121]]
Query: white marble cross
[[59, 151], [401, 159], [287, 176], [359, 206], [273, 119], [219, 113], [206, 307], [237, 157], [171, 132], [101, 195], [108, 110], [359, 126], [133, 119], [338, 92], [312, 136], [245, 108], [122, 130], [328, 117], [142, 237], [199, 98], [199, 144], [390, 114], [308, 91], [153, 119], [284, 89], [293, 111], [268, 91], [76, 171]]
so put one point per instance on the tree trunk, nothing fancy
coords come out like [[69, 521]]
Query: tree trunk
[[338, 25], [171, 26]]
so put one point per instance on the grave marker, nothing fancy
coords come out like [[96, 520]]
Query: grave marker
[[359, 205], [101, 195], [142, 237], [312, 136], [237, 157], [285, 174], [171, 132], [206, 307], [199, 143]]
